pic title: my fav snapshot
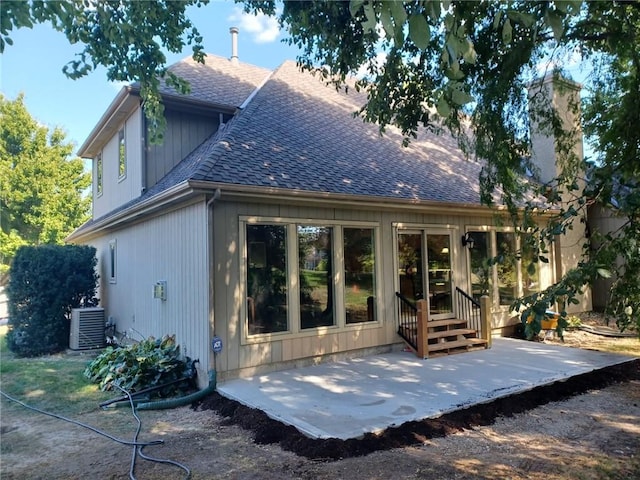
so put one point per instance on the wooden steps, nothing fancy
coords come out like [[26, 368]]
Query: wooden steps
[[450, 336], [446, 337]]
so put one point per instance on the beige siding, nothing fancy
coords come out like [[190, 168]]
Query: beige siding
[[243, 355], [118, 191], [172, 248]]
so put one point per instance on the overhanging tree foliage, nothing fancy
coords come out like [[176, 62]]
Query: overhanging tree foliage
[[430, 64], [42, 194]]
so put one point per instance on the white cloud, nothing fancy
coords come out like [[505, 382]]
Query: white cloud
[[262, 28]]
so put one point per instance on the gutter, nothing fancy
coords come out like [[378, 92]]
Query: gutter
[[335, 199], [179, 192]]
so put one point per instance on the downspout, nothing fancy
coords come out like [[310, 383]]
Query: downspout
[[212, 250], [181, 401], [144, 153]]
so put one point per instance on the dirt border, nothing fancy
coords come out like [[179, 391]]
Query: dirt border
[[266, 430]]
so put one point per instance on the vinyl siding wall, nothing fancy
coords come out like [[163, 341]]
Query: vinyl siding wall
[[117, 191], [185, 131], [172, 248]]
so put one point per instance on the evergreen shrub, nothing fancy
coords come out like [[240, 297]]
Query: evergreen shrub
[[45, 283]]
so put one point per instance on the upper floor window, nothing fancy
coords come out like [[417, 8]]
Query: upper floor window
[[122, 155], [99, 174]]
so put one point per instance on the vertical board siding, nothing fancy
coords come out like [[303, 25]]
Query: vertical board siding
[[119, 191], [184, 133], [172, 248], [229, 258]]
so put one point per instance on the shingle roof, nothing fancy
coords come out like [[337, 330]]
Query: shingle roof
[[219, 80], [297, 133]]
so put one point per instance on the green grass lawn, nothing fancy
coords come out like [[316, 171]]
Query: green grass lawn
[[51, 382]]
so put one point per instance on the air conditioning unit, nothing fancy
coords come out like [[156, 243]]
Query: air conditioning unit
[[87, 328]]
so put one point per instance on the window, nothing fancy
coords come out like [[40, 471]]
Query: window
[[267, 279], [481, 278], [503, 266], [315, 267], [112, 261], [99, 174], [301, 276], [359, 274], [530, 270], [122, 155]]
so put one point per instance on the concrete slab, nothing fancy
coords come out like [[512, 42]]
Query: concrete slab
[[349, 398]]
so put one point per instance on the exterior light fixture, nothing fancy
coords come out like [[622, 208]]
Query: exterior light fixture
[[467, 241]]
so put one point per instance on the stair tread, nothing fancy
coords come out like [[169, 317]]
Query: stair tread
[[469, 342], [451, 333], [445, 323]]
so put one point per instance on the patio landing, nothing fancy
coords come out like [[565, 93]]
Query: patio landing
[[346, 399]]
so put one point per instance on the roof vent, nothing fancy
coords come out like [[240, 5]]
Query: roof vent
[[234, 44]]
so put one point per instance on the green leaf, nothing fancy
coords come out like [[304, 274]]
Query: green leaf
[[419, 31], [554, 21], [370, 24], [399, 15], [526, 19], [461, 97], [568, 6], [604, 273], [496, 20], [386, 20], [443, 108], [507, 32], [354, 6], [434, 11]]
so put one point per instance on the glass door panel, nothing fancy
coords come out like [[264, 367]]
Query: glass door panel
[[410, 266], [439, 261]]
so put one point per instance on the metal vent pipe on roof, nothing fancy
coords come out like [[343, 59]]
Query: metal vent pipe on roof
[[234, 44]]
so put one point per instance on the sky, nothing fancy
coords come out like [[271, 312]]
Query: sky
[[33, 66]]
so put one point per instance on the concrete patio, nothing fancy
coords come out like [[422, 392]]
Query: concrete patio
[[346, 399]]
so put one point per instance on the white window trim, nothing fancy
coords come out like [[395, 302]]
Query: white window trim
[[293, 295]]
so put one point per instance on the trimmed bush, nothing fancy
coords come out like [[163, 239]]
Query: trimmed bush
[[45, 283]]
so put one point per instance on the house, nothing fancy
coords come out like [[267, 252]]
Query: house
[[276, 223]]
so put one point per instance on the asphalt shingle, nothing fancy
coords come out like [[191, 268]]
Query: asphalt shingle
[[297, 133]]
